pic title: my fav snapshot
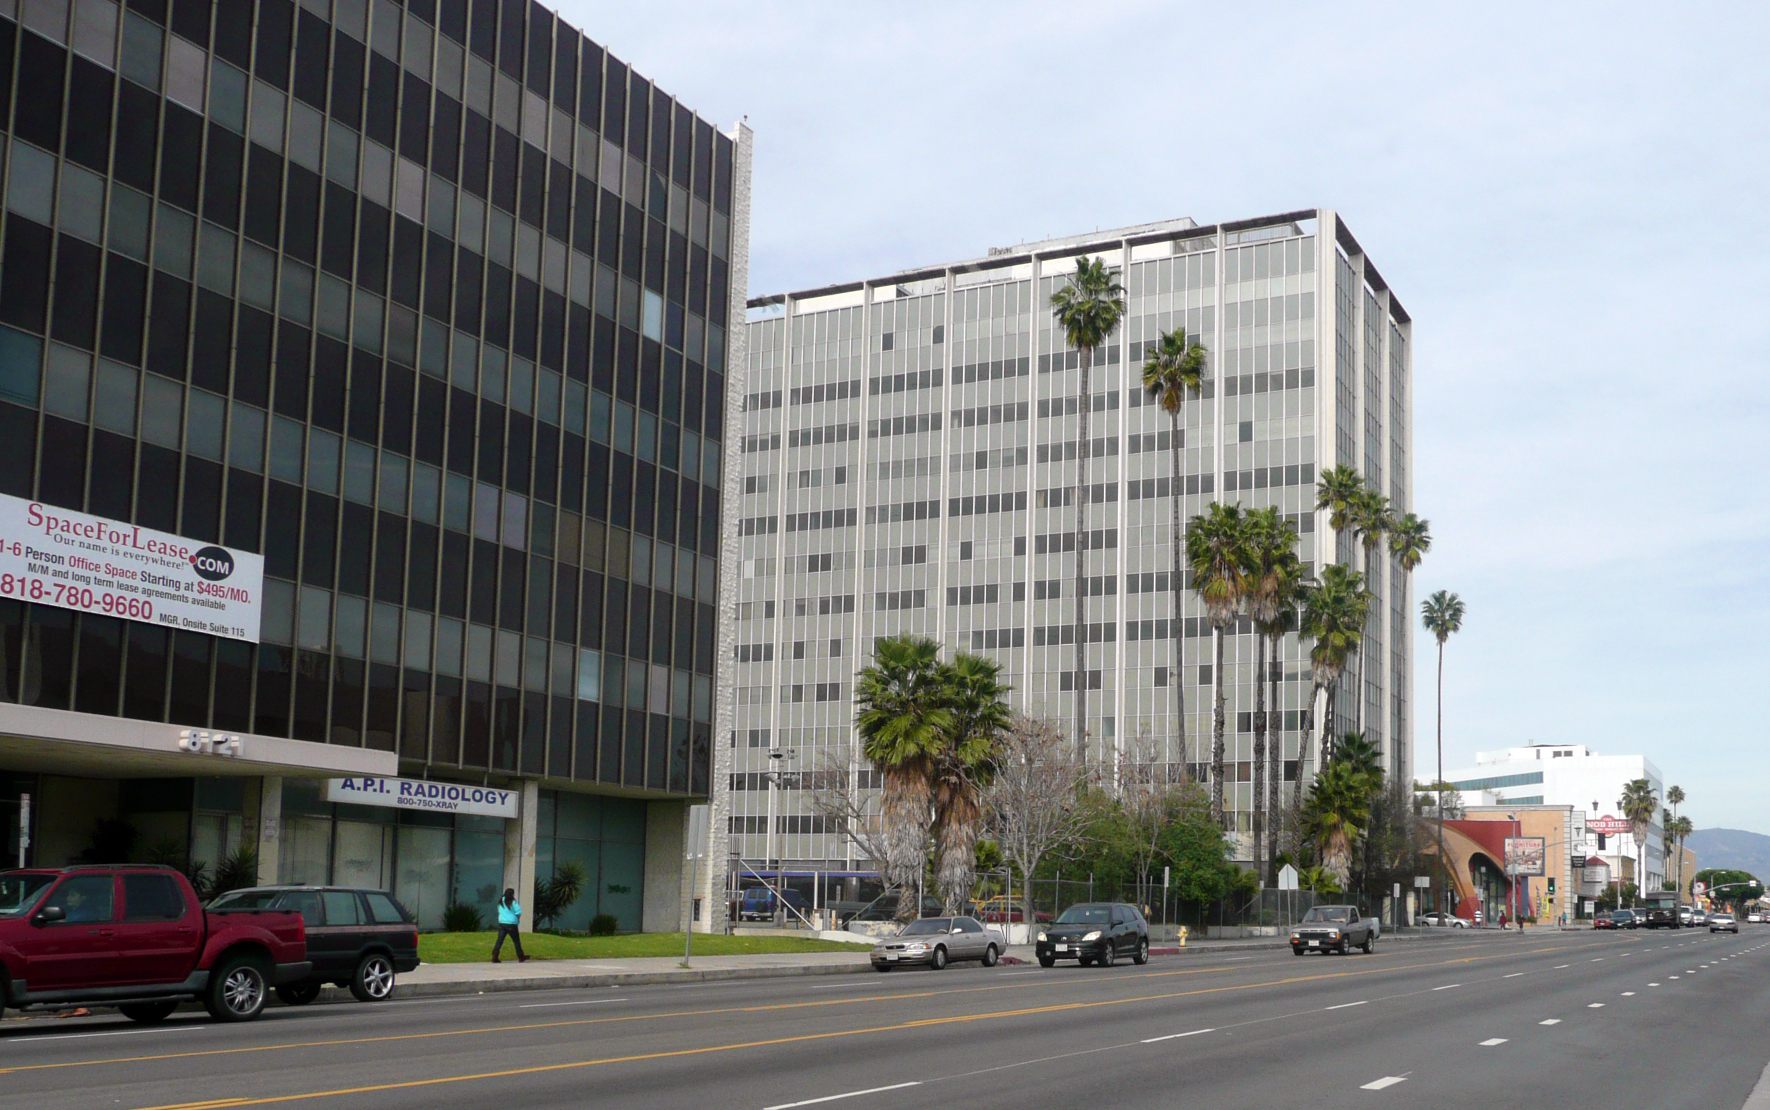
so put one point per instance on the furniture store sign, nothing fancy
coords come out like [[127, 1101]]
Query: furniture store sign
[[54, 556], [437, 797]]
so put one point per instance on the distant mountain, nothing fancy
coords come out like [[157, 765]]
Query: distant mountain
[[1736, 848]]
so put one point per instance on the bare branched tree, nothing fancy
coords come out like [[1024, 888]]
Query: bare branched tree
[[1033, 803], [846, 809], [1148, 790]]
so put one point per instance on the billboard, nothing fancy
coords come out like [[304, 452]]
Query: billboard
[[71, 560], [1525, 855], [1610, 826]]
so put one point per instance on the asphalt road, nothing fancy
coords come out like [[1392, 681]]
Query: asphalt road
[[1661, 1019]]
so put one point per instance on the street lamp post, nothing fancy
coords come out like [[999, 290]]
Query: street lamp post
[[779, 757]]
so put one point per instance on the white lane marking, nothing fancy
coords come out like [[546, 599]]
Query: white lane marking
[[1172, 1036], [583, 1002], [1674, 977], [1599, 960], [1386, 1081], [1447, 986], [845, 1094], [1653, 984], [1558, 967], [116, 1033], [1346, 1005], [1594, 1005], [1491, 1041], [1232, 959], [1628, 994], [1514, 975], [1551, 1021]]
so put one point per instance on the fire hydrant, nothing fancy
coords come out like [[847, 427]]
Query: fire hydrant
[[1183, 936]]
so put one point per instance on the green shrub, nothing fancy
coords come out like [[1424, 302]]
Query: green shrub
[[603, 925], [557, 894], [462, 918]]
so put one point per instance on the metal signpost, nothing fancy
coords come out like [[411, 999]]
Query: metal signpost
[[694, 851], [24, 826]]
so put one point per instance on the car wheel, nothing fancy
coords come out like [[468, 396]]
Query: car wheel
[[147, 1013], [299, 994], [938, 960], [1108, 954], [1047, 961], [237, 990], [881, 968], [1142, 956], [1370, 942], [989, 956], [373, 980], [1345, 946], [1085, 961]]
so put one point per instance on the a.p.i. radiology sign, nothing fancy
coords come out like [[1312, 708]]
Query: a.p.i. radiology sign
[[55, 556], [437, 797]]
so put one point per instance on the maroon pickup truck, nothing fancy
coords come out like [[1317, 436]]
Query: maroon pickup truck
[[138, 938]]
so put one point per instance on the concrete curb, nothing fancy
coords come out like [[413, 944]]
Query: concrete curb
[[607, 979]]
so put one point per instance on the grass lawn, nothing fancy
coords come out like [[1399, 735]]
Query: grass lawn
[[459, 948]]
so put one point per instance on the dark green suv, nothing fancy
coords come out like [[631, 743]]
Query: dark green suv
[[1095, 932]]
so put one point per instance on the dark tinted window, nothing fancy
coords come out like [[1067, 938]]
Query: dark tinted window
[[304, 902], [152, 898], [85, 898], [342, 907], [384, 910]]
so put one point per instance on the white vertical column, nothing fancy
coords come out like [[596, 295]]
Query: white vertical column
[[270, 829]]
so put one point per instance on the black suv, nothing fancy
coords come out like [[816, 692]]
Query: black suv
[[1095, 932], [360, 939]]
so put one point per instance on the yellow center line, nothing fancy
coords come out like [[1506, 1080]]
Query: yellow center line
[[920, 1023]]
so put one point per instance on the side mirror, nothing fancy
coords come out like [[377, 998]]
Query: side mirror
[[48, 914]]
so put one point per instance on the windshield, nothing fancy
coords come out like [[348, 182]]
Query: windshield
[[928, 926], [245, 900], [1329, 914], [19, 891], [1084, 915]]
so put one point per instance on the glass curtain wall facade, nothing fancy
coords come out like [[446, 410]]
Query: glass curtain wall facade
[[908, 457], [426, 302]]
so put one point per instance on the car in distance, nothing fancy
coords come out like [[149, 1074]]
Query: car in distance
[[1333, 929], [1699, 919], [1000, 909], [760, 902], [937, 941], [1723, 923], [1095, 933], [884, 908], [1754, 918], [1437, 920], [362, 940], [1624, 919], [138, 938], [1662, 917], [1603, 920]]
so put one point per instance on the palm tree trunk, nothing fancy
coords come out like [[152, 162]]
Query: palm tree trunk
[[1275, 765], [956, 872], [1081, 631], [1259, 820], [1442, 864], [1217, 810], [1306, 746], [905, 809], [1177, 673]]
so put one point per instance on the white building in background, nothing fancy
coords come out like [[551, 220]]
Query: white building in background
[[1570, 775]]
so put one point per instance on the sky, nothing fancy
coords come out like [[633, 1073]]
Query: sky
[[1568, 199]]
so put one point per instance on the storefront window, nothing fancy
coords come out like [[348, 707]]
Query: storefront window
[[479, 865], [423, 884]]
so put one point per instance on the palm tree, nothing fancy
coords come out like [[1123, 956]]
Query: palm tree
[[1361, 755], [1680, 830], [1333, 616], [1286, 598], [1336, 816], [1172, 371], [1639, 805], [1410, 537], [1675, 796], [902, 719], [1273, 572], [1217, 556], [978, 715], [1371, 520], [1089, 310], [1336, 493], [1442, 614]]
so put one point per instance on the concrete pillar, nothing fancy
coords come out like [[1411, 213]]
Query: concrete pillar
[[665, 827], [519, 852], [270, 829]]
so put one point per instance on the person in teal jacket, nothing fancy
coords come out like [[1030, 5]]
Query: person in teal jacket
[[509, 917]]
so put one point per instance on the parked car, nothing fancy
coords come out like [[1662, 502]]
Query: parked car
[[937, 941], [1095, 932], [1723, 923], [1437, 920], [359, 939], [1625, 919], [884, 908], [138, 938], [760, 902], [1603, 920], [1334, 929], [1754, 918], [1000, 909]]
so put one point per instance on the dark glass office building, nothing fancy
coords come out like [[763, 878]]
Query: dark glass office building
[[427, 304]]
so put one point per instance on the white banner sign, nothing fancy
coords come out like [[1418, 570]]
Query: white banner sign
[[53, 556], [437, 797]]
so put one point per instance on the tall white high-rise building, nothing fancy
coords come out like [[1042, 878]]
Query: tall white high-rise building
[[908, 453]]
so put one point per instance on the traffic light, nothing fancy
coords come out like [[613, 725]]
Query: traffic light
[[1551, 890]]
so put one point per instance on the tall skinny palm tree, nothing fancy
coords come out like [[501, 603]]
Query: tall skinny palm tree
[[1442, 614], [1410, 538], [1371, 520], [1088, 309], [1273, 568], [1675, 797], [902, 719], [1639, 805], [963, 765], [1336, 493], [1287, 596], [1174, 370], [1333, 617], [1217, 555]]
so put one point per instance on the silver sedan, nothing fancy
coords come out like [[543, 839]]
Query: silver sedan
[[937, 941]]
